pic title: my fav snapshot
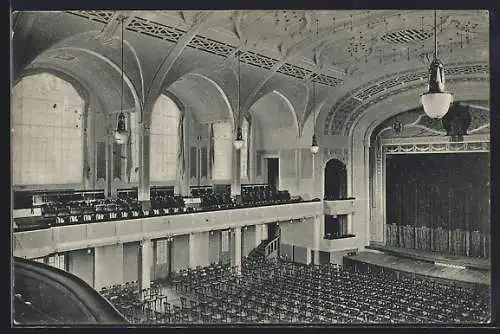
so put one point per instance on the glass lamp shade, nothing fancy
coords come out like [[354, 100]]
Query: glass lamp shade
[[314, 145], [121, 137], [436, 104], [238, 144]]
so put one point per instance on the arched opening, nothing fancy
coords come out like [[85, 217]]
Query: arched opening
[[165, 139], [275, 127], [208, 131], [335, 180], [48, 121]]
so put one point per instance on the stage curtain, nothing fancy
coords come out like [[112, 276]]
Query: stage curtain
[[439, 202]]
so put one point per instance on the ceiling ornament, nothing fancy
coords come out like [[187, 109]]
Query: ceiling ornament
[[341, 154], [378, 89], [171, 34]]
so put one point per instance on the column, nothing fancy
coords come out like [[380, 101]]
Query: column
[[236, 174], [317, 238], [198, 249], [349, 224], [108, 266], [308, 256], [143, 193], [236, 251], [258, 235], [264, 233], [109, 161], [146, 260]]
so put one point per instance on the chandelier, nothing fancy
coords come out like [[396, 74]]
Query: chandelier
[[314, 144], [121, 133], [238, 143], [436, 101]]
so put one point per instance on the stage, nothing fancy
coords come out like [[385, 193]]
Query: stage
[[432, 267]]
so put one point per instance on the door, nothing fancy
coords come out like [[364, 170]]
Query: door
[[273, 172]]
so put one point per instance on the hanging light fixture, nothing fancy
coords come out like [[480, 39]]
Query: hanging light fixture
[[436, 101], [121, 133], [314, 144], [238, 143]]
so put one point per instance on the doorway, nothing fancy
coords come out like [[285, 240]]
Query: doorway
[[273, 172], [335, 180]]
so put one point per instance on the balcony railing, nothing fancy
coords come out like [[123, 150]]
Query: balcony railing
[[340, 206], [42, 242]]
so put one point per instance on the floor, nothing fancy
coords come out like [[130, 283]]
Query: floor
[[477, 263], [423, 268]]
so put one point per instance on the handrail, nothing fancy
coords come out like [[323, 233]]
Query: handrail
[[271, 246]]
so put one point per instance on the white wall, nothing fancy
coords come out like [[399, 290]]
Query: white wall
[[81, 264], [130, 261], [108, 266], [180, 250]]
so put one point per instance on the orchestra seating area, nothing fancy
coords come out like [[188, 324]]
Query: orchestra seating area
[[275, 291]]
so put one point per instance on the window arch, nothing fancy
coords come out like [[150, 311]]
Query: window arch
[[47, 140], [245, 130], [164, 138]]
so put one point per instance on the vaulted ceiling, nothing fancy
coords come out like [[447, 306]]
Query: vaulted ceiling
[[355, 58]]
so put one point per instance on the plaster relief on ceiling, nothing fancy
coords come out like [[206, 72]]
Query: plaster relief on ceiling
[[341, 154], [351, 105], [206, 44]]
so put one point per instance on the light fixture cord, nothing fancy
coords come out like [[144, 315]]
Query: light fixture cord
[[239, 87], [314, 88], [121, 100], [435, 36]]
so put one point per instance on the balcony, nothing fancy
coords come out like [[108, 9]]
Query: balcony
[[346, 242], [340, 206], [39, 243]]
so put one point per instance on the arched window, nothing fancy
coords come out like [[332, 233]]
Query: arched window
[[223, 141], [164, 138], [245, 130], [47, 141]]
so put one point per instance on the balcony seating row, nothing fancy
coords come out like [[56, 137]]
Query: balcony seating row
[[263, 194]]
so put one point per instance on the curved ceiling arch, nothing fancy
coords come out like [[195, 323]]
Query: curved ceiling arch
[[101, 75], [274, 110], [204, 97], [108, 47], [380, 112], [351, 106]]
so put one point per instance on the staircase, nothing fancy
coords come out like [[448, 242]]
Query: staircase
[[267, 248]]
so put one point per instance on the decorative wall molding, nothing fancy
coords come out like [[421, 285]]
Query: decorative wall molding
[[449, 147], [172, 34], [341, 154], [346, 110]]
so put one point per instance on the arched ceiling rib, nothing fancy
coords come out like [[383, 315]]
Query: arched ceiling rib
[[203, 97], [354, 47], [274, 111], [98, 74]]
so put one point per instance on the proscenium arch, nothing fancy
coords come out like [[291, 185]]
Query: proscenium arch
[[478, 89]]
